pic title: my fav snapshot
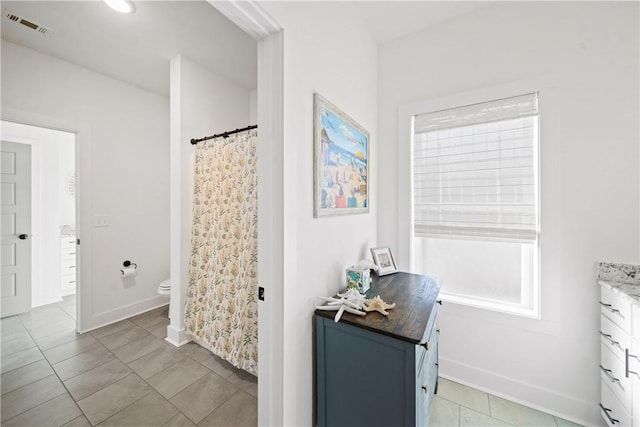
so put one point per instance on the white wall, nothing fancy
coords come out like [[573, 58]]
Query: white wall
[[253, 107], [586, 57], [202, 103], [49, 207], [123, 154], [335, 57]]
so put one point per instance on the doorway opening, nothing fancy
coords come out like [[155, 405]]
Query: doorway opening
[[46, 272]]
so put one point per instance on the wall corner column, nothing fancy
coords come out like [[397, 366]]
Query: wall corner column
[[176, 333]]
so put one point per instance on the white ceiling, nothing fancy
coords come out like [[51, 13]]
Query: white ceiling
[[137, 48], [392, 19]]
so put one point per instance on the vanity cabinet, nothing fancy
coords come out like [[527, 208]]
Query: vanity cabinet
[[68, 265], [380, 370], [619, 363], [633, 360]]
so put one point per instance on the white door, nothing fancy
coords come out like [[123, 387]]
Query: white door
[[16, 228]]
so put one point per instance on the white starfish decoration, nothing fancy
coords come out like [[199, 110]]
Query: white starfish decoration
[[350, 301], [354, 296]]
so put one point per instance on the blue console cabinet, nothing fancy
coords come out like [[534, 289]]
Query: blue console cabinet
[[380, 370]]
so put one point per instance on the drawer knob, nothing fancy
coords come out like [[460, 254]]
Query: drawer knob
[[425, 388], [606, 412], [426, 345], [607, 372], [609, 307]]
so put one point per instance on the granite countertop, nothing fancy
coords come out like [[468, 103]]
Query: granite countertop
[[621, 278], [67, 231]]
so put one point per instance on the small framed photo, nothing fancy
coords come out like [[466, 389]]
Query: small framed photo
[[384, 260]]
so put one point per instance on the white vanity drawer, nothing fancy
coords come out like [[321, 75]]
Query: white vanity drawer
[[634, 364], [613, 337], [68, 281], [68, 266], [68, 253], [67, 242], [611, 409], [615, 307], [613, 373], [635, 321]]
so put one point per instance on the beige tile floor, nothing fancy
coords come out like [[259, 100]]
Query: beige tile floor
[[459, 405], [124, 374]]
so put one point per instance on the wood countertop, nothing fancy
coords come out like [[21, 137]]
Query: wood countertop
[[415, 297]]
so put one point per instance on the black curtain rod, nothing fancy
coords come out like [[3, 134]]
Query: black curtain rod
[[224, 134]]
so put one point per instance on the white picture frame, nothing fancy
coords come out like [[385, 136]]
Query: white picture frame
[[383, 258]]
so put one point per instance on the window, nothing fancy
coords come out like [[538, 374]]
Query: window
[[475, 202]]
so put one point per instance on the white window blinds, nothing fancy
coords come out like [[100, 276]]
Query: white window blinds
[[474, 171]]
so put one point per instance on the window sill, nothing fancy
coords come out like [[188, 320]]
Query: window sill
[[492, 305]]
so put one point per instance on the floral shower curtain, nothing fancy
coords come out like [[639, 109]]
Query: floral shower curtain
[[221, 309]]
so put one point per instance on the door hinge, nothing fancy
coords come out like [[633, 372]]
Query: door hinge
[[261, 293], [78, 241]]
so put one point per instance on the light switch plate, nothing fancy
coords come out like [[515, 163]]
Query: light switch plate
[[101, 220]]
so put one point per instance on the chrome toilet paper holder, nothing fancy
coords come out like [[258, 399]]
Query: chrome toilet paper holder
[[128, 264]]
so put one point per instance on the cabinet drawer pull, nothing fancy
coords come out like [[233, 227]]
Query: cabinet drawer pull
[[607, 372], [426, 345], [606, 412], [608, 307], [628, 362], [608, 337]]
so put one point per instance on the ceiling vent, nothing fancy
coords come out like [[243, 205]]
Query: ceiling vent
[[27, 23]]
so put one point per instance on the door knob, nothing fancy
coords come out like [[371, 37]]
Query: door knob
[[23, 236]]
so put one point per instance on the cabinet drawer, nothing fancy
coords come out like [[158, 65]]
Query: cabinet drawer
[[68, 266], [68, 281], [613, 337], [426, 381], [431, 324], [634, 365], [616, 308], [613, 373], [67, 242], [611, 409], [635, 321], [68, 253], [68, 285]]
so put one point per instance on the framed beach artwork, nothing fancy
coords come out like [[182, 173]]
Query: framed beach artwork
[[341, 162]]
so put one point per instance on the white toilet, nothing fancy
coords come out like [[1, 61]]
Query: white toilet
[[164, 288]]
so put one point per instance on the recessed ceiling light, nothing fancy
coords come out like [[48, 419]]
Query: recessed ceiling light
[[122, 6]]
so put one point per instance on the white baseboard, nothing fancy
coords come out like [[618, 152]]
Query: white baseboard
[[177, 337], [542, 399], [122, 313], [40, 301]]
